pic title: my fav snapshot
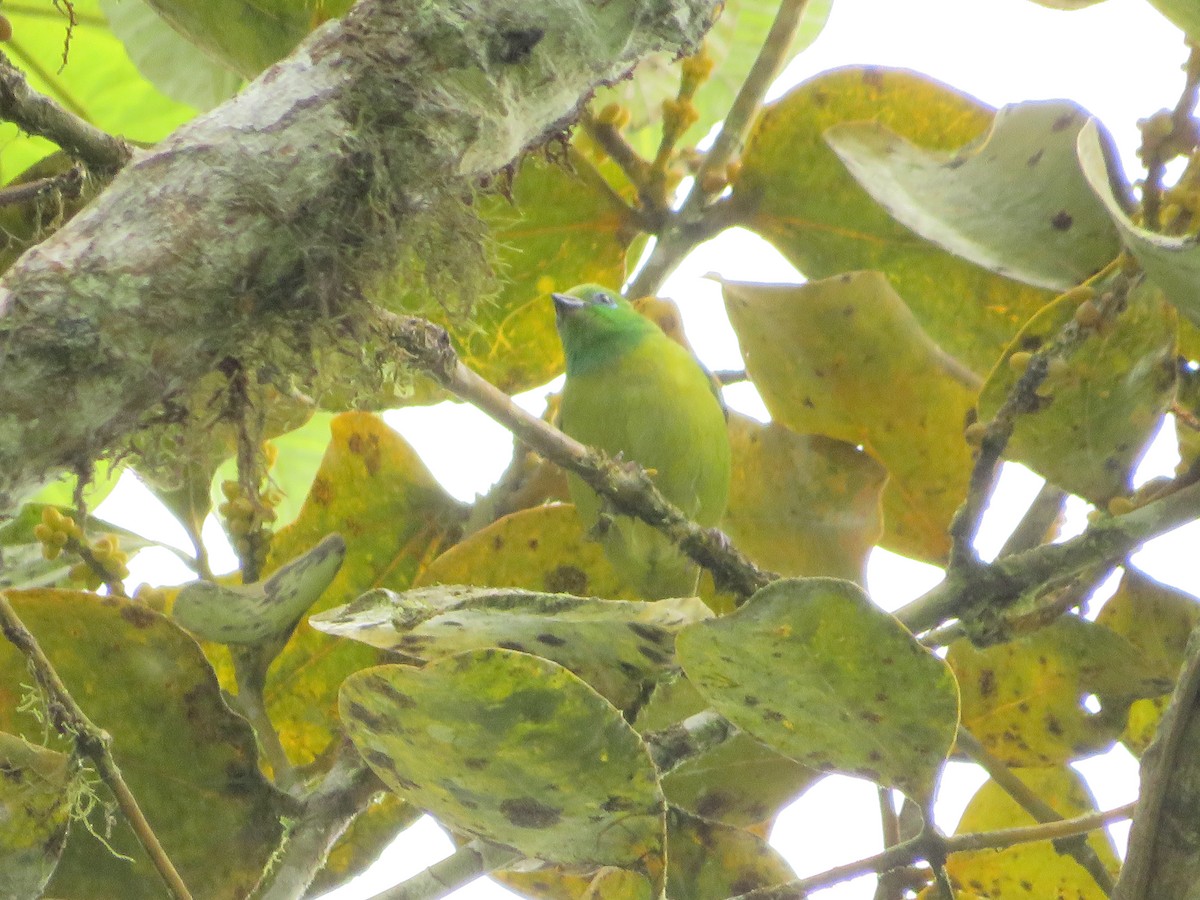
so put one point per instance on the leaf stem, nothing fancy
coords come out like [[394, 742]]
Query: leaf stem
[[464, 865], [93, 742]]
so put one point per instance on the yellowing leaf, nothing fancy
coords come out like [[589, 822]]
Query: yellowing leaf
[[710, 861], [1024, 700], [190, 762], [1102, 403], [796, 193], [372, 489], [1028, 870], [34, 812], [845, 358], [516, 750], [802, 504], [1156, 619], [1016, 203], [812, 669], [544, 548]]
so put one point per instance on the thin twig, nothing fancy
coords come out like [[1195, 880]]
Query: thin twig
[[592, 177], [71, 722], [609, 139], [39, 115], [1031, 531], [677, 239], [463, 866], [919, 847], [1075, 844], [628, 487], [68, 184]]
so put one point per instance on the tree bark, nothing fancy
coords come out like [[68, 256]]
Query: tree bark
[[273, 213]]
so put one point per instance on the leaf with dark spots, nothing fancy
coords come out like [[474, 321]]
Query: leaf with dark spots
[[526, 812], [538, 789], [621, 648]]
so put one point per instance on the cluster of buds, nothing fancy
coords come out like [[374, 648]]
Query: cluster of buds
[[249, 519], [103, 559]]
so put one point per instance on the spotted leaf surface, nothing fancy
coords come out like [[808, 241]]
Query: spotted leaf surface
[[1016, 203], [34, 812], [253, 613], [812, 669], [1028, 870], [1102, 403], [622, 649], [845, 358], [1024, 700], [544, 548], [513, 749]]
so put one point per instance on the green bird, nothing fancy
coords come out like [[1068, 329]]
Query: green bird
[[636, 394]]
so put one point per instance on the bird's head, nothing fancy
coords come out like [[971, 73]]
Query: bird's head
[[596, 323]]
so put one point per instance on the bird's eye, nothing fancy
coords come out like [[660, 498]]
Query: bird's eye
[[605, 298]]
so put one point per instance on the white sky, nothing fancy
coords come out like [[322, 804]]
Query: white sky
[[1120, 60]]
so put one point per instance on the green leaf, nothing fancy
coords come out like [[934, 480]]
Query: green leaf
[[373, 489], [1024, 699], [35, 809], [544, 548], [710, 861], [1066, 4], [795, 192], [1182, 13], [733, 44], [620, 648], [740, 782], [516, 750], [97, 82], [1156, 619], [61, 493], [1173, 263], [251, 614], [863, 696], [173, 64], [802, 504], [1015, 203], [1030, 870], [245, 35], [845, 358], [1103, 402], [190, 762]]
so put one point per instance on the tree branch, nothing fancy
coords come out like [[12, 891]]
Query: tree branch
[[464, 865], [679, 236], [71, 722], [37, 114], [342, 795], [967, 592], [263, 223], [627, 487]]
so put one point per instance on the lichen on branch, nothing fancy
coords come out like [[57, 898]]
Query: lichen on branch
[[278, 211]]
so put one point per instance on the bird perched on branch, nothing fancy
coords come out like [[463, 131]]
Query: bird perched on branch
[[638, 395]]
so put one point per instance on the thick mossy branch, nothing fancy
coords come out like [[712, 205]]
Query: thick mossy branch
[[281, 208], [627, 487]]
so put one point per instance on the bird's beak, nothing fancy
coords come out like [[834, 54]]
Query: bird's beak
[[565, 304]]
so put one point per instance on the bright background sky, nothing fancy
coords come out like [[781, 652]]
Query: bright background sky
[[1121, 61]]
